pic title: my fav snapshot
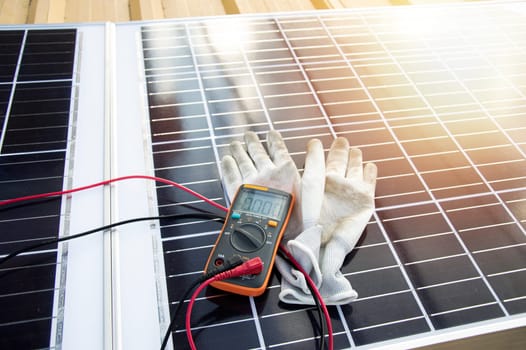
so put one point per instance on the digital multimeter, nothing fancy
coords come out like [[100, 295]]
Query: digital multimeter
[[253, 228]]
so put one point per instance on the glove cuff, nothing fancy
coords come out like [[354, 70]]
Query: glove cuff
[[292, 295], [345, 295], [290, 277], [305, 249], [335, 288]]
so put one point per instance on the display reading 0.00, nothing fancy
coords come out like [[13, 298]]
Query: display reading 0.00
[[261, 203]]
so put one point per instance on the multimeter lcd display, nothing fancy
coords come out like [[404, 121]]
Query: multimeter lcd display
[[261, 203]]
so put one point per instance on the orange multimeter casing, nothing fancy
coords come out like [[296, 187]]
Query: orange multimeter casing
[[253, 228]]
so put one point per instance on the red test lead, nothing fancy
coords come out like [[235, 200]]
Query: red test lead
[[250, 267], [110, 181]]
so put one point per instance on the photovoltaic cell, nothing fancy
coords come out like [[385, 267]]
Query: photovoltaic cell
[[435, 96], [11, 42], [36, 68]]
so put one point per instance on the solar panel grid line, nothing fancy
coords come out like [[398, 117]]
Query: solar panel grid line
[[375, 269], [171, 92], [44, 251], [422, 237], [158, 120], [257, 322], [500, 248], [515, 299], [346, 329], [190, 249], [185, 203], [462, 309], [58, 80], [449, 282], [389, 323], [197, 327], [231, 87], [434, 259]]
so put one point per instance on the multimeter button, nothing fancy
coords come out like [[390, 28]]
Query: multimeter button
[[272, 223], [235, 216]]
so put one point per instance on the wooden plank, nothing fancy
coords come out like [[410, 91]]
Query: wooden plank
[[419, 2], [230, 7], [98, 8], [146, 10], [300, 5], [176, 9], [196, 8], [305, 5], [78, 11], [289, 5], [250, 6], [338, 4], [46, 11], [123, 10], [14, 11], [214, 8], [261, 6], [116, 10]]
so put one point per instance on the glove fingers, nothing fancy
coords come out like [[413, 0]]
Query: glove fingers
[[354, 166], [313, 158], [370, 174], [277, 148], [313, 183], [232, 178], [257, 151], [244, 163], [338, 157]]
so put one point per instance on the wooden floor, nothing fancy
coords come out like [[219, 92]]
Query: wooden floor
[[76, 11]]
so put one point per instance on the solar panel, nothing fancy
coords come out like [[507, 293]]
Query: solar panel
[[35, 90], [434, 95]]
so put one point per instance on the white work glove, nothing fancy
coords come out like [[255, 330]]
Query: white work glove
[[274, 169], [306, 246], [348, 203]]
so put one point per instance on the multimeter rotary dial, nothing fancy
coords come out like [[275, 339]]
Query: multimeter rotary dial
[[248, 237]]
